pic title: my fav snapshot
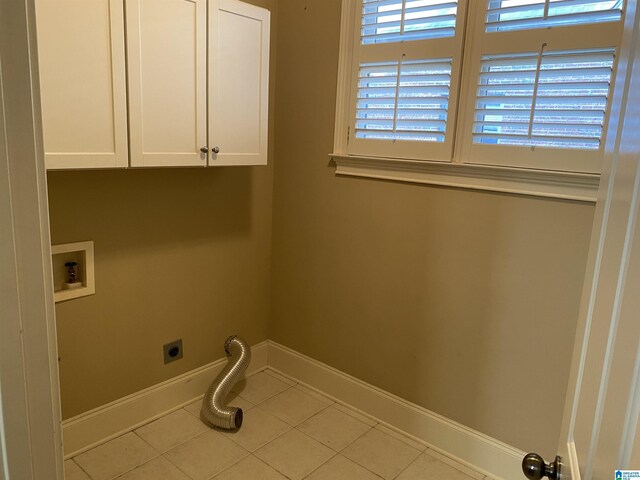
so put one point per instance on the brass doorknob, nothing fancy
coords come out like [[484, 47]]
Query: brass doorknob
[[535, 468]]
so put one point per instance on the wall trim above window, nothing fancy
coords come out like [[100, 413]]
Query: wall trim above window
[[541, 183]]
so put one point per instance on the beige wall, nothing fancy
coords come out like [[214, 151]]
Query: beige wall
[[461, 301], [179, 253]]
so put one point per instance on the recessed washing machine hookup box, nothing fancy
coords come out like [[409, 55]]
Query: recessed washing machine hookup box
[[72, 270]]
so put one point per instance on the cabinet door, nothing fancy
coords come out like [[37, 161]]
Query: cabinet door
[[238, 83], [166, 46], [82, 80]]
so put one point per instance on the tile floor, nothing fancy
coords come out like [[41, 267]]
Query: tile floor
[[289, 431]]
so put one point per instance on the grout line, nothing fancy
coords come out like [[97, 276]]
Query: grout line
[[353, 413], [358, 463], [272, 466], [282, 374], [230, 466], [355, 463], [268, 442], [358, 412], [267, 398], [311, 417], [268, 465], [177, 467], [367, 468], [145, 442], [314, 394], [318, 412], [158, 454], [317, 441], [81, 469], [402, 437], [286, 421], [261, 404], [271, 441], [323, 463], [194, 435], [407, 438], [454, 463], [191, 413], [407, 467], [272, 373], [355, 440]]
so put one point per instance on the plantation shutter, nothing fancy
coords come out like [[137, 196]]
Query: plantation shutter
[[403, 100], [526, 14], [559, 104], [540, 94], [396, 21], [406, 72]]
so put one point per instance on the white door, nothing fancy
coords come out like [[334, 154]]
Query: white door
[[83, 86], [30, 429], [600, 431], [238, 83], [167, 66]]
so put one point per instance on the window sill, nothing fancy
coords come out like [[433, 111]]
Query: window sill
[[520, 181]]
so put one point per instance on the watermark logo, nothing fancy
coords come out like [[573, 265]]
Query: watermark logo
[[627, 475]]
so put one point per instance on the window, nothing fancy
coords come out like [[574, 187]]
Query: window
[[407, 62], [386, 21], [570, 89], [540, 75], [534, 92], [505, 15]]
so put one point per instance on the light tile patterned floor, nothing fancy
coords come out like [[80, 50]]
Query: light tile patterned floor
[[289, 432]]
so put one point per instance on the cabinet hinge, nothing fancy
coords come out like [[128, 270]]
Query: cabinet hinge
[[348, 134]]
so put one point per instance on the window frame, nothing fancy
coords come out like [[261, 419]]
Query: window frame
[[462, 169]]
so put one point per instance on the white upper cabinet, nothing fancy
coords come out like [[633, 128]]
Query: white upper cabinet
[[167, 54], [83, 86], [197, 87], [166, 47], [238, 83]]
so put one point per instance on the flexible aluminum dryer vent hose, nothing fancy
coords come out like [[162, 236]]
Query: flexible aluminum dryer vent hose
[[213, 411]]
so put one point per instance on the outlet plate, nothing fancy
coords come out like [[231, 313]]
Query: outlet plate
[[172, 351]]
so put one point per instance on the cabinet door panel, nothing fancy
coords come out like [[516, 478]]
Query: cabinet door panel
[[82, 81], [239, 82], [166, 43]]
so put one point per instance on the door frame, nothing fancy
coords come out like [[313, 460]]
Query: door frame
[[600, 424], [30, 420]]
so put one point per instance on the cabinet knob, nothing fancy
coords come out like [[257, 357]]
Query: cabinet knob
[[215, 149], [204, 149]]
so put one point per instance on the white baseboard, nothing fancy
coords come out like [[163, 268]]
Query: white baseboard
[[475, 449], [96, 426]]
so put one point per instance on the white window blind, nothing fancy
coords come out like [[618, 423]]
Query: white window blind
[[550, 99], [506, 15], [403, 100], [401, 20], [406, 63], [539, 86]]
